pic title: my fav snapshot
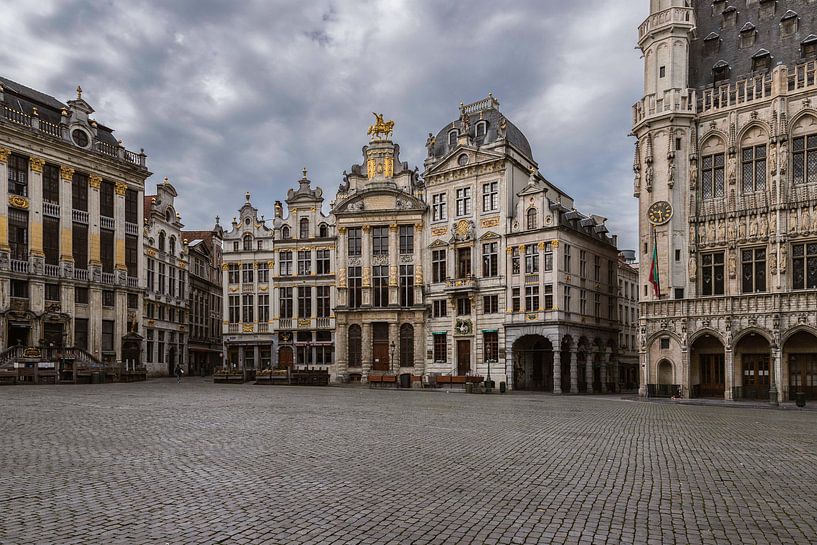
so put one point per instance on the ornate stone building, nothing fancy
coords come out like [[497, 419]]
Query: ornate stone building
[[726, 177], [380, 310], [70, 241], [628, 283], [248, 257], [304, 294], [520, 284], [204, 303], [165, 299]]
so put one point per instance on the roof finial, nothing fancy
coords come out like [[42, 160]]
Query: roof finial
[[79, 92], [217, 220], [165, 181], [305, 173], [247, 196]]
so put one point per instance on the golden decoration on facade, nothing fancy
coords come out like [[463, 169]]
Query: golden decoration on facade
[[67, 173], [542, 245], [388, 167], [4, 154], [342, 230], [370, 168], [247, 328], [18, 202], [305, 322], [393, 227], [94, 182], [151, 252], [418, 227], [439, 231], [462, 228], [489, 222], [380, 127], [367, 228], [121, 188], [224, 266], [36, 164]]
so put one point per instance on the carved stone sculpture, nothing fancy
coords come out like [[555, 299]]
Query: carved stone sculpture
[[693, 268], [721, 230], [732, 265], [753, 227]]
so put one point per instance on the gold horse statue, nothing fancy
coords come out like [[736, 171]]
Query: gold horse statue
[[380, 127]]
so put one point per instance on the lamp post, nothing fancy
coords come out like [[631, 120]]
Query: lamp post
[[391, 361]]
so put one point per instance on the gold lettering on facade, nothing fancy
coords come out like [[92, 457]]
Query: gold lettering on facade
[[439, 231], [489, 222]]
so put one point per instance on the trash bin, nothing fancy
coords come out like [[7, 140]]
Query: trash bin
[[489, 386], [502, 387], [95, 378], [469, 387], [800, 399], [405, 380]]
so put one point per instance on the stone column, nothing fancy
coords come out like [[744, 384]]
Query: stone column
[[589, 361], [4, 202], [686, 388], [120, 321], [256, 357], [418, 265], [119, 233], [296, 292], [508, 280], [341, 349], [35, 207], [419, 346], [775, 375], [729, 374], [95, 321], [574, 372], [366, 266], [557, 368], [605, 361], [94, 259], [394, 265], [643, 373], [366, 342], [66, 216], [557, 287]]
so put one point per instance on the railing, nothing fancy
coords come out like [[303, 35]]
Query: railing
[[468, 282], [131, 229], [133, 282], [733, 94], [485, 104], [731, 305], [16, 116], [50, 128], [803, 76], [52, 270], [10, 355], [323, 323], [79, 216], [107, 223], [671, 16], [108, 278], [233, 328], [263, 327], [670, 101], [80, 274], [247, 288], [107, 149], [82, 357], [18, 266], [51, 209], [285, 323]]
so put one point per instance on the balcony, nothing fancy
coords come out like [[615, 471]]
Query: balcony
[[108, 278], [323, 323], [19, 266], [802, 301], [671, 101], [79, 216], [107, 223], [666, 19], [467, 283], [51, 209], [131, 229], [81, 274], [133, 282], [285, 323], [233, 328], [52, 270], [263, 327]]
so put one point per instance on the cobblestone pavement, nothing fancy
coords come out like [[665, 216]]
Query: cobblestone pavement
[[157, 463]]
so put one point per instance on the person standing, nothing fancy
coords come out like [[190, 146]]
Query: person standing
[[178, 371]]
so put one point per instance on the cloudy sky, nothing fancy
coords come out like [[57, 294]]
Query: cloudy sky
[[228, 96]]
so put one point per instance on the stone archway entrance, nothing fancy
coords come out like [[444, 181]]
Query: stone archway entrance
[[708, 372], [753, 366], [533, 363]]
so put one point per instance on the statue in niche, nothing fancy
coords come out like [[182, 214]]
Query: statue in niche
[[742, 228], [693, 176], [730, 234], [784, 258], [773, 262], [693, 268], [773, 223], [814, 222], [753, 227], [702, 234], [773, 159], [762, 226], [692, 234], [805, 221], [671, 173], [721, 230], [732, 265], [731, 168], [711, 234], [792, 221], [649, 177], [784, 157]]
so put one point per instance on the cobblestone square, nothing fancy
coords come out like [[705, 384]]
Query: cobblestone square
[[157, 462]]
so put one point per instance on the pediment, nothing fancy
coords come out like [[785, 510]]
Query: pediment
[[451, 160], [438, 244], [374, 200], [490, 235]]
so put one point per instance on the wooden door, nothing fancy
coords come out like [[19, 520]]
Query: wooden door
[[285, 357], [713, 383], [803, 375], [755, 376], [463, 357], [380, 347]]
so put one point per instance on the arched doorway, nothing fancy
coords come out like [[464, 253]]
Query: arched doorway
[[533, 363], [664, 373], [285, 357], [753, 361], [708, 373], [800, 359]]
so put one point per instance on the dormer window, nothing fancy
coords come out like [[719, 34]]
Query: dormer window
[[285, 232], [452, 137], [481, 129], [172, 245], [748, 35], [730, 16], [304, 232], [162, 241], [531, 219], [808, 47], [323, 231], [712, 43], [720, 72], [247, 243], [767, 8], [789, 23], [761, 61]]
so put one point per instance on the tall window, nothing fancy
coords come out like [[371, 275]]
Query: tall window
[[106, 250], [567, 258], [567, 299], [463, 262], [490, 340], [162, 277], [323, 231], [355, 342], [490, 304], [247, 244], [323, 262], [285, 235], [515, 261], [355, 292], [531, 298], [324, 305], [804, 266], [712, 176], [804, 159], [406, 345], [753, 270], [354, 241], [263, 308], [406, 285], [463, 201], [285, 302], [162, 241], [17, 166], [548, 297], [596, 268], [754, 168], [285, 263], [439, 308], [234, 305], [151, 274], [79, 191], [107, 335], [531, 259], [380, 240], [304, 263], [106, 199], [463, 306], [531, 219], [516, 299], [597, 305], [131, 206], [583, 263], [712, 274], [132, 255], [247, 273], [304, 302], [438, 266], [247, 306], [79, 244], [51, 240], [490, 259], [51, 184], [304, 228], [171, 284], [490, 196], [233, 273], [263, 273], [548, 257], [380, 285], [149, 346], [438, 208], [406, 239], [440, 348], [583, 302]]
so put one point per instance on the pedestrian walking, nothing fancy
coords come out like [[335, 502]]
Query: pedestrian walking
[[178, 370]]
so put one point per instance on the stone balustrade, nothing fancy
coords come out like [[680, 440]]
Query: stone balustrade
[[665, 19]]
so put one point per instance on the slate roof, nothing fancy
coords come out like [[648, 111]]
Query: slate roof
[[513, 135], [784, 49]]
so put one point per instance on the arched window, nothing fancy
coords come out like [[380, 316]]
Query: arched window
[[406, 345], [355, 346], [285, 232], [162, 241], [172, 245], [481, 129], [323, 231], [167, 215], [720, 72], [452, 138], [531, 218], [753, 160], [304, 232], [712, 166], [247, 243]]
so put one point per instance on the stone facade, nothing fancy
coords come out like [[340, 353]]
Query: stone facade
[[725, 137], [204, 305], [70, 241], [166, 285], [628, 283]]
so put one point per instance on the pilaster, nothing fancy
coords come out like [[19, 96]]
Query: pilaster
[[574, 372], [94, 259], [4, 202], [366, 348], [557, 370], [588, 371], [35, 208], [119, 228], [729, 368], [66, 219]]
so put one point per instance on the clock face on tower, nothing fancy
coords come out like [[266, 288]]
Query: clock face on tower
[[659, 212]]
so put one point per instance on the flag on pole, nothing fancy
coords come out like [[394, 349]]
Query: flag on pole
[[655, 280]]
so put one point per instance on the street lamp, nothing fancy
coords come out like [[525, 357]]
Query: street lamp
[[391, 361]]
